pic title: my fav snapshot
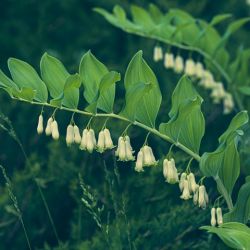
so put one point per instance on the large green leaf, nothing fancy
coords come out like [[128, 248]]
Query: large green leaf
[[91, 72], [235, 235], [224, 162], [25, 76], [187, 126], [137, 72], [241, 210], [53, 74], [219, 18]]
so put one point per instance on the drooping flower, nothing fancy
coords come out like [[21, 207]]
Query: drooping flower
[[158, 54], [219, 216], [207, 80], [48, 129], [185, 194], [70, 135], [203, 197], [139, 162], [124, 150], [218, 92], [178, 64], [129, 150], [148, 156], [213, 217], [77, 136], [228, 103], [170, 172], [191, 182], [40, 124], [169, 60], [83, 144], [54, 130], [101, 142], [190, 67], [199, 70], [182, 179], [91, 141], [108, 140]]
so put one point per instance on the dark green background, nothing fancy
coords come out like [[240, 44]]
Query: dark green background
[[155, 216]]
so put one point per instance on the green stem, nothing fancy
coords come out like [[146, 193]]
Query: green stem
[[116, 116]]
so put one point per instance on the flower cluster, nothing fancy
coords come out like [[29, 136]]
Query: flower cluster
[[51, 128], [145, 158], [197, 71], [170, 172], [104, 141], [216, 212], [88, 141], [124, 151], [73, 135], [200, 197]]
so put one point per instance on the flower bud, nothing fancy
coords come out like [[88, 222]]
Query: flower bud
[[203, 197], [91, 141], [191, 182], [190, 67], [182, 179], [108, 140], [70, 135], [83, 145], [213, 218], [122, 151], [178, 64], [158, 55], [77, 136], [219, 216], [101, 142], [48, 130], [185, 194], [199, 70], [129, 151], [148, 156], [172, 177], [139, 162], [54, 130], [169, 60], [40, 124]]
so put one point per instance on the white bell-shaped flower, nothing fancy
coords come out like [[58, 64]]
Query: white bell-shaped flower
[[182, 179], [199, 70], [54, 130], [228, 103], [108, 140], [207, 80], [101, 142], [166, 163], [203, 197], [172, 174], [40, 124], [83, 144], [218, 92], [118, 146], [70, 135], [48, 129], [192, 183], [158, 54], [148, 156], [196, 196], [122, 150], [219, 216], [77, 136], [190, 67], [129, 150], [185, 193], [213, 217], [169, 60], [91, 141], [178, 64], [139, 162]]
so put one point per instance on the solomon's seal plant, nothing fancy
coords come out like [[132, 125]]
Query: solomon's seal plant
[[95, 86]]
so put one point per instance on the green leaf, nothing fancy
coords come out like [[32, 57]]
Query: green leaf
[[224, 162], [187, 126], [137, 72], [91, 72], [219, 18], [25, 76], [53, 74], [245, 90], [235, 235], [182, 94], [155, 13], [241, 210], [119, 13], [27, 94], [106, 97]]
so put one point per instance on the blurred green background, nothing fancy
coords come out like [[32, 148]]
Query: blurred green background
[[141, 210]]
